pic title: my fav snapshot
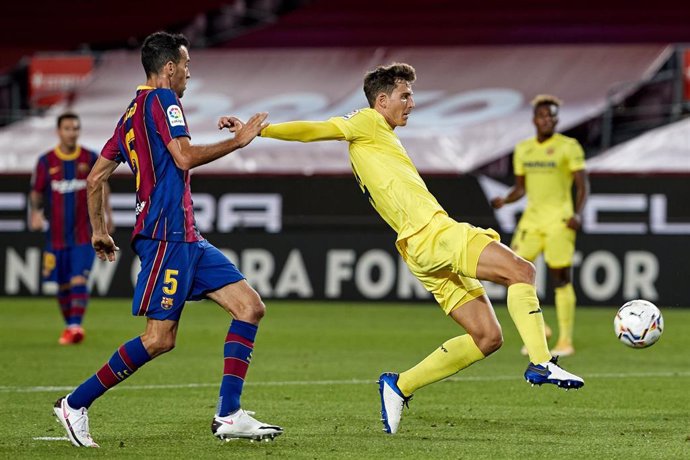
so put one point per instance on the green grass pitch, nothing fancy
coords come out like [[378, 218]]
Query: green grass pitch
[[313, 372]]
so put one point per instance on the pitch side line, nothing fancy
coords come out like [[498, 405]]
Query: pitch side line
[[50, 389]]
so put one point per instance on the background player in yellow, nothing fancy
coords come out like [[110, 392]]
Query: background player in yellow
[[545, 168], [448, 257]]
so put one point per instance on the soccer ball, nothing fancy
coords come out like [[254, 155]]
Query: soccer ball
[[638, 324]]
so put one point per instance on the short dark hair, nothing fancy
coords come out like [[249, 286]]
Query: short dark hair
[[383, 79], [159, 48], [545, 99], [67, 116]]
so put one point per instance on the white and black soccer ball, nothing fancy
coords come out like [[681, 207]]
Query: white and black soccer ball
[[638, 324]]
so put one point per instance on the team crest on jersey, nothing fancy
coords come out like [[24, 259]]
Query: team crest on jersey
[[550, 151], [351, 114], [83, 167], [166, 303], [175, 116]]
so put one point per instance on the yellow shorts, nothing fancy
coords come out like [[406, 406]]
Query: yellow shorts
[[444, 256], [556, 242]]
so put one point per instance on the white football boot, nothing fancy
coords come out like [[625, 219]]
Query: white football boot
[[241, 425], [392, 402], [551, 372], [75, 422]]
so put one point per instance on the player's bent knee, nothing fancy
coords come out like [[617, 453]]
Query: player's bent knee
[[523, 272], [257, 310], [78, 280], [489, 341], [157, 345], [251, 311]]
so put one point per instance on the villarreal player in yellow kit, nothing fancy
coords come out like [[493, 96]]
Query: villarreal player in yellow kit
[[546, 166], [448, 257]]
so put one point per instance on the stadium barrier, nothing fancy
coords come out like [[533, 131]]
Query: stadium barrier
[[318, 238]]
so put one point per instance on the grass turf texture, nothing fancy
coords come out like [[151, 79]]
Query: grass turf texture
[[313, 372]]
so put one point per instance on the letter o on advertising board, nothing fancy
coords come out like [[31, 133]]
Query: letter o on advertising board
[[607, 288], [364, 271]]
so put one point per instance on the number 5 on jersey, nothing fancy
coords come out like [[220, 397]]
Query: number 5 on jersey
[[170, 283]]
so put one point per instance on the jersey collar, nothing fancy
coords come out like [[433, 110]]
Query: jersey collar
[[67, 156]]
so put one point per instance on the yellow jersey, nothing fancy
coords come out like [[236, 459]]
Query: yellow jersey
[[383, 170], [548, 168]]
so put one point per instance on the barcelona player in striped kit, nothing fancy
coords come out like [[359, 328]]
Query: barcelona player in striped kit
[[177, 263], [58, 193]]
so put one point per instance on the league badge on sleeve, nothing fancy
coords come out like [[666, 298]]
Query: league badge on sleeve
[[175, 116], [351, 114]]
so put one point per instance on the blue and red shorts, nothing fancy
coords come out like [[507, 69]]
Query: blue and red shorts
[[173, 272], [61, 265]]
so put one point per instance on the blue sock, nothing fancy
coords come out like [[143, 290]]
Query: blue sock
[[237, 352], [126, 360]]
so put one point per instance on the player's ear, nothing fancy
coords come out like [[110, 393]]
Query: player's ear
[[382, 100], [170, 68]]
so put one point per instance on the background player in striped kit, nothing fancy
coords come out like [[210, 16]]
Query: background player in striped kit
[[58, 193]]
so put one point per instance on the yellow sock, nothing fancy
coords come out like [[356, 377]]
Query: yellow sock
[[565, 312], [454, 355], [524, 309]]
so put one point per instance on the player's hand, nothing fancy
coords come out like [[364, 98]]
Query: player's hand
[[232, 123], [247, 132], [575, 222], [104, 246], [497, 203], [36, 222]]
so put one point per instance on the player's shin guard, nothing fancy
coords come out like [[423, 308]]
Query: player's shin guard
[[523, 306], [451, 357], [126, 360], [237, 352], [79, 298], [565, 312]]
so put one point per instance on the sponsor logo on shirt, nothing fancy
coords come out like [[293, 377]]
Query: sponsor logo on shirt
[[68, 185], [175, 116], [540, 164], [139, 208]]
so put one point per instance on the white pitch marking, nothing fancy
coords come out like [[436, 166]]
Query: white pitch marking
[[50, 438], [485, 378]]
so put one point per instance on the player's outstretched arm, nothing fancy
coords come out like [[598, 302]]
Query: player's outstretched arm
[[188, 156], [96, 184], [304, 131]]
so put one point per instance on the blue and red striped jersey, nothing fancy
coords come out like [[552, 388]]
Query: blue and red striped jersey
[[164, 208], [61, 179]]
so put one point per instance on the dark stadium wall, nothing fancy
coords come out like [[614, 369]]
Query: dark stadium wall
[[318, 238]]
